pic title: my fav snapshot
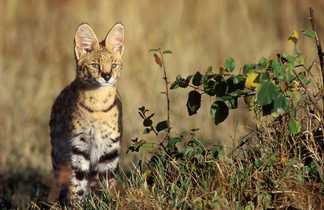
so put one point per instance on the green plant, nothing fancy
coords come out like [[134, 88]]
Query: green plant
[[273, 163], [273, 86]]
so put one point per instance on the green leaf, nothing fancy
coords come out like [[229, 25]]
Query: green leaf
[[300, 60], [147, 130], [295, 97], [221, 86], [310, 34], [193, 102], [263, 63], [304, 78], [278, 69], [161, 126], [264, 77], [182, 82], [214, 85], [248, 68], [154, 50], [209, 84], [217, 152], [135, 147], [229, 64], [142, 109], [294, 126], [174, 85], [147, 122], [171, 145], [230, 101], [281, 104], [197, 79], [219, 111], [290, 58], [266, 93], [173, 141], [290, 76], [239, 80], [235, 83], [167, 52], [257, 163], [209, 70]]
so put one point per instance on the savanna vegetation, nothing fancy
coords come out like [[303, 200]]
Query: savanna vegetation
[[236, 122]]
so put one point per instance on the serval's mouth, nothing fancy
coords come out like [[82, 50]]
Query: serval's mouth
[[107, 81]]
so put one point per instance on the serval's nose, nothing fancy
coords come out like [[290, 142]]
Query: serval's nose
[[106, 76]]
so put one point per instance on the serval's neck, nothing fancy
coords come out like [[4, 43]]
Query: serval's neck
[[99, 99]]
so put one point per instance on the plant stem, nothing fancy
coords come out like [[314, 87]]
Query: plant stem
[[166, 82], [153, 129], [308, 93], [319, 47]]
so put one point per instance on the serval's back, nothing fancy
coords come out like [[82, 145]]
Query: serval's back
[[85, 125]]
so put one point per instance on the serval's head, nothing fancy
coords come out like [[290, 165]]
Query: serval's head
[[99, 63]]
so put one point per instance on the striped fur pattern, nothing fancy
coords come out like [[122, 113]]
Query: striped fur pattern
[[85, 125]]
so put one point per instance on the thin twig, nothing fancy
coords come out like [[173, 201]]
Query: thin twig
[[153, 129], [308, 93], [317, 41], [166, 82], [318, 45], [243, 141]]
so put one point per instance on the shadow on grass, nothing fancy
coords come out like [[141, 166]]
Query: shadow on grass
[[20, 187]]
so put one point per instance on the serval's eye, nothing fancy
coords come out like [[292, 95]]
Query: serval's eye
[[114, 65], [95, 65]]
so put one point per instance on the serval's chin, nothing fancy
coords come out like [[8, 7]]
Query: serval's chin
[[85, 125]]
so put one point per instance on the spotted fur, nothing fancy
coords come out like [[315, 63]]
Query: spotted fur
[[85, 125]]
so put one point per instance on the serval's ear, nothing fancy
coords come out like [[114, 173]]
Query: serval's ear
[[115, 39], [85, 40]]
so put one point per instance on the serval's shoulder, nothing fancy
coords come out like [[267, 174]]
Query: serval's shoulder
[[63, 108]]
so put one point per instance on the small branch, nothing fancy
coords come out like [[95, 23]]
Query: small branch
[[153, 129], [243, 141], [317, 41], [166, 82], [318, 45], [308, 93], [307, 69]]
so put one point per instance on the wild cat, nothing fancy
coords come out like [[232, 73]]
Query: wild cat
[[86, 118]]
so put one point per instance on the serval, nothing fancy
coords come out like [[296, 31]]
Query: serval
[[86, 118]]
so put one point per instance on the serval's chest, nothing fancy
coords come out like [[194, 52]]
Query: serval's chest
[[96, 131], [103, 125]]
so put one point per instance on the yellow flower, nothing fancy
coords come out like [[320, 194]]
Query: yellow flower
[[294, 36], [250, 80]]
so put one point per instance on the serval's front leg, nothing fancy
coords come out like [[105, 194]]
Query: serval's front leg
[[80, 162], [107, 165]]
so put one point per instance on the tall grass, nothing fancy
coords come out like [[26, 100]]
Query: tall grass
[[37, 61]]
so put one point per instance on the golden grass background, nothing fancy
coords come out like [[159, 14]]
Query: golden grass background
[[37, 59]]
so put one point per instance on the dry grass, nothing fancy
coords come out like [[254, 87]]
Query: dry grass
[[37, 61]]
